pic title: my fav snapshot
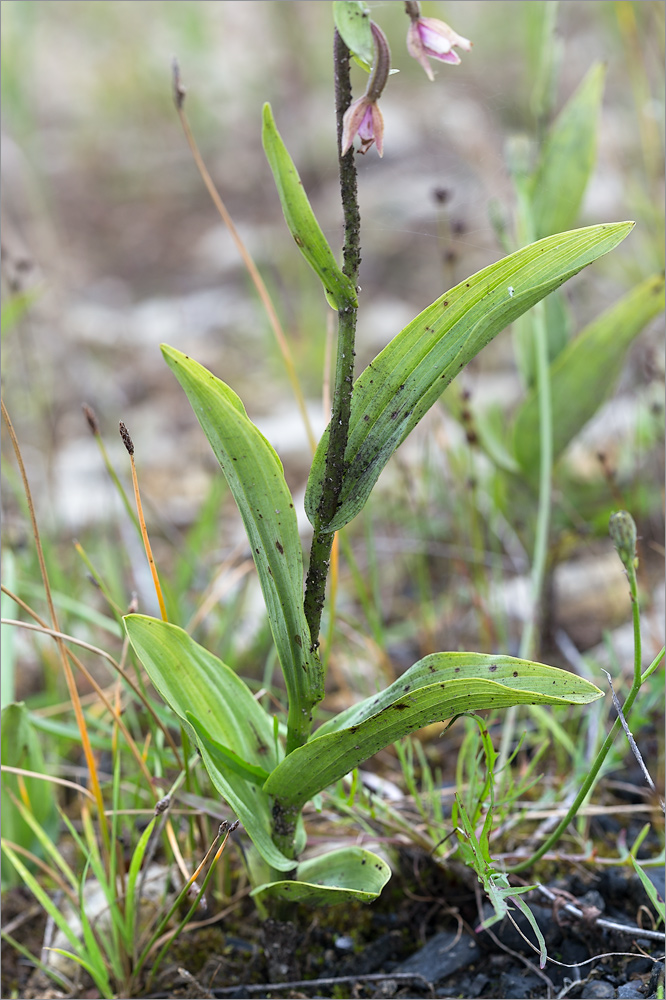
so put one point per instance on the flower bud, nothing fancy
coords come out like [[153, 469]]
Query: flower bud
[[622, 530]]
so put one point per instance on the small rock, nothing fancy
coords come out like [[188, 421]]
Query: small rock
[[656, 978], [630, 991], [521, 985], [597, 990], [442, 956], [639, 966]]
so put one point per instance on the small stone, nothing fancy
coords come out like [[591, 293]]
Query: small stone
[[442, 956], [597, 990], [630, 991]]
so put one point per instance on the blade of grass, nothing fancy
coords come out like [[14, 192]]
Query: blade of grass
[[69, 676]]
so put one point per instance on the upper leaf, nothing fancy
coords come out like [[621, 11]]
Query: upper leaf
[[352, 19], [256, 479], [567, 158], [438, 687], [195, 684], [409, 375], [586, 371], [301, 220]]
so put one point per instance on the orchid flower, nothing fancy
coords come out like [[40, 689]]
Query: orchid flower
[[429, 38], [363, 118]]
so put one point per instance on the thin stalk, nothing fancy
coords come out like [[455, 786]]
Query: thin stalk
[[590, 780], [67, 670], [540, 554], [127, 441], [320, 552]]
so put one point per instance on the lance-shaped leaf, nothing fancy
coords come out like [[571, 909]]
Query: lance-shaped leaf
[[352, 19], [256, 479], [409, 375], [194, 683], [301, 220], [567, 158], [347, 875], [438, 687], [586, 372]]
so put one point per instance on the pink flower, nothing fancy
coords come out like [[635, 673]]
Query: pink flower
[[364, 119], [429, 38]]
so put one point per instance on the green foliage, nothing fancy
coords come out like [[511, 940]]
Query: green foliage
[[256, 479], [347, 875], [586, 372], [410, 374], [21, 748], [352, 19], [301, 220], [567, 158]]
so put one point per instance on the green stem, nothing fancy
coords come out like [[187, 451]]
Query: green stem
[[320, 552], [593, 773], [540, 554]]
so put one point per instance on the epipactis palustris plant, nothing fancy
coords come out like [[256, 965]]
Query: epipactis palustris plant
[[264, 770]]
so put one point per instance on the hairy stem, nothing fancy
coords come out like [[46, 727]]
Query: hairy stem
[[320, 552]]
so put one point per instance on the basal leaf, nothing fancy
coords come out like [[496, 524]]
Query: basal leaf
[[567, 158], [586, 372], [438, 687], [348, 875], [409, 375], [301, 220], [256, 479], [193, 681]]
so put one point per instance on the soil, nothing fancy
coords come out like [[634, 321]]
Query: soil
[[418, 940]]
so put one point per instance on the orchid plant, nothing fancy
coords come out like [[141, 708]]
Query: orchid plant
[[267, 770]]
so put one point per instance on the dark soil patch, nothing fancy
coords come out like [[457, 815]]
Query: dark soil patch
[[418, 940]]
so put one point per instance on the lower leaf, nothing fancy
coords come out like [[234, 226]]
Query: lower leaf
[[350, 874]]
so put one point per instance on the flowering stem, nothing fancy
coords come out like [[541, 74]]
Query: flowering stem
[[322, 540]]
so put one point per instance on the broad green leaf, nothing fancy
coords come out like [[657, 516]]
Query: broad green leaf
[[438, 687], [256, 479], [301, 220], [352, 19], [225, 758], [21, 748], [348, 875], [402, 383], [567, 158], [192, 680], [585, 373]]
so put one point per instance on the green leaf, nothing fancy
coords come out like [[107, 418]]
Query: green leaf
[[192, 680], [256, 479], [438, 687], [586, 371], [21, 748], [402, 383], [348, 875], [650, 888], [301, 220], [225, 758], [352, 19], [567, 158]]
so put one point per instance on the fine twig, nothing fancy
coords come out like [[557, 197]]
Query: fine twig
[[610, 925], [376, 977], [632, 742]]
